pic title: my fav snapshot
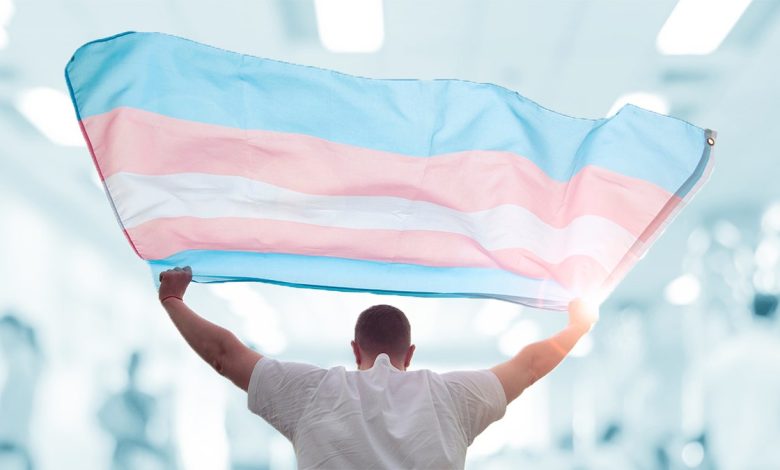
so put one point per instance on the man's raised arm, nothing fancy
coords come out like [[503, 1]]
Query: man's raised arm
[[217, 346], [537, 359]]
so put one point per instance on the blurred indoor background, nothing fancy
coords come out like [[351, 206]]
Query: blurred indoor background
[[682, 371]]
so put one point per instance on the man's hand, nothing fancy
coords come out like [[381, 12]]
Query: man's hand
[[174, 282], [582, 313]]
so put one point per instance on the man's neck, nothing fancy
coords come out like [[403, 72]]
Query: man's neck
[[368, 363]]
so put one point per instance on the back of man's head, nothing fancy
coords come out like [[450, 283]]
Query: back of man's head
[[383, 329]]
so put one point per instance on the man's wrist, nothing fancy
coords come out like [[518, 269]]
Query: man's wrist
[[582, 327], [169, 297]]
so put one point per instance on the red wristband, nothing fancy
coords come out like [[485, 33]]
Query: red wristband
[[170, 297]]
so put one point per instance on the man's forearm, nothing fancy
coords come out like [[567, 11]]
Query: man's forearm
[[544, 356], [537, 360], [205, 338]]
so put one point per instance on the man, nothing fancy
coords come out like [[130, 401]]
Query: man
[[380, 416]]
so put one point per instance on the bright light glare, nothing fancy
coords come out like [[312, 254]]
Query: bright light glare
[[683, 291], [649, 101], [727, 234], [698, 241], [768, 253], [521, 334], [589, 306], [698, 27], [692, 454], [765, 280], [350, 25], [770, 221], [51, 112]]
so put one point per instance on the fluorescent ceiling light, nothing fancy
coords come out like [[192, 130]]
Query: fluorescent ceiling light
[[683, 291], [6, 12], [698, 27], [649, 101], [350, 25], [51, 112]]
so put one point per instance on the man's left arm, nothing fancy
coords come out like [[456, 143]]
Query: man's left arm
[[538, 359], [220, 348]]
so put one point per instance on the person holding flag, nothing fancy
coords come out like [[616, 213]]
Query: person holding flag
[[382, 415]]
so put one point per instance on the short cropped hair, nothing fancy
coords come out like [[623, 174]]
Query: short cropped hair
[[383, 329]]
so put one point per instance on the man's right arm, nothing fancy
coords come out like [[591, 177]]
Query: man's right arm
[[537, 359], [220, 348]]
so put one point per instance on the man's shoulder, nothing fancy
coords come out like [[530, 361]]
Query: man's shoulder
[[276, 370], [473, 375], [290, 363]]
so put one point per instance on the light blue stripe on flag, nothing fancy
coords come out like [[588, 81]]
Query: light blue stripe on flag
[[353, 275], [183, 79]]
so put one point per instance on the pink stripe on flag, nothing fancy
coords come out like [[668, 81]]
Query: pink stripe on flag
[[653, 231], [438, 249], [136, 141]]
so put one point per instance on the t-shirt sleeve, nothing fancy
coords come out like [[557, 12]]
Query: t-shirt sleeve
[[479, 399], [279, 392]]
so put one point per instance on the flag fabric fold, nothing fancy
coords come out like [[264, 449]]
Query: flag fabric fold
[[249, 169]]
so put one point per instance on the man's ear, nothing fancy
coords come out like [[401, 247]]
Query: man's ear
[[408, 358], [356, 352]]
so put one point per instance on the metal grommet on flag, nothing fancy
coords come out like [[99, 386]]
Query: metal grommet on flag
[[710, 141]]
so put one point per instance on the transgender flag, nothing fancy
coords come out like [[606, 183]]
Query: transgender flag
[[250, 169]]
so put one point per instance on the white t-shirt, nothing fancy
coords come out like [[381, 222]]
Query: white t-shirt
[[378, 418]]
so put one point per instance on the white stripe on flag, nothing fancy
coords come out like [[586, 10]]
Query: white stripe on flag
[[141, 198]]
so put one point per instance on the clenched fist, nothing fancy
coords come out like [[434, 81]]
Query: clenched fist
[[174, 282]]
